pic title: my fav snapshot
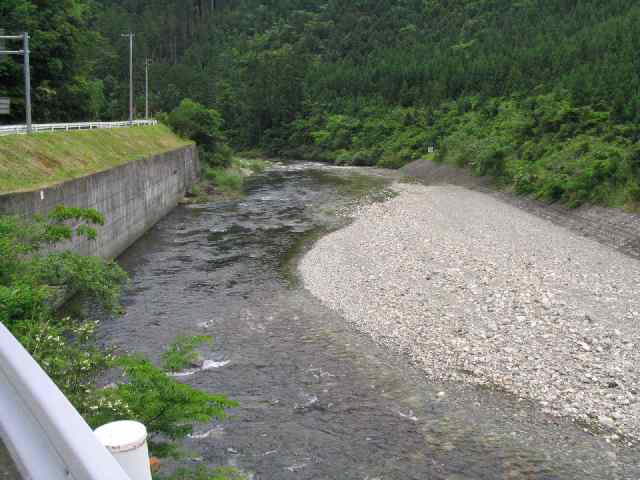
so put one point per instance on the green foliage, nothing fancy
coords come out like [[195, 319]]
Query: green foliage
[[204, 126], [182, 353], [62, 44], [231, 180], [504, 88], [205, 473], [165, 406], [63, 214], [225, 179], [28, 273], [255, 165], [226, 182], [545, 146], [83, 275], [72, 365], [33, 277]]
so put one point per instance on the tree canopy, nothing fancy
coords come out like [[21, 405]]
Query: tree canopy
[[284, 74], [263, 64]]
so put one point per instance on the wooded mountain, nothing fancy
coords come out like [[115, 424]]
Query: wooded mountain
[[527, 90]]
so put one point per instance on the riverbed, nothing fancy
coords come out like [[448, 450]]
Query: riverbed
[[319, 399]]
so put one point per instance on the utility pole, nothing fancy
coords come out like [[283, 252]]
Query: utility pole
[[27, 71], [27, 80], [130, 35], [146, 88]]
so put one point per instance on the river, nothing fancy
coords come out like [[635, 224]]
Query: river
[[318, 399]]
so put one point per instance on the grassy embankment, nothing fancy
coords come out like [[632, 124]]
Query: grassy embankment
[[226, 182], [45, 159]]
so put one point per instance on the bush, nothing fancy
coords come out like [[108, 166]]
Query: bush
[[32, 276], [227, 180], [391, 160], [490, 161], [633, 192], [363, 158], [165, 406], [204, 473], [204, 126], [543, 145], [255, 165], [183, 352]]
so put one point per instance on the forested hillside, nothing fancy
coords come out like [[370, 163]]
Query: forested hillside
[[543, 94]]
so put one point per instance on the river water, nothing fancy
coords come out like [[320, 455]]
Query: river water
[[320, 400]]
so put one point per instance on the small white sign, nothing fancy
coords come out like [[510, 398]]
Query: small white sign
[[5, 106]]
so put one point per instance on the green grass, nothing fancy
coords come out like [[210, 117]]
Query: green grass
[[256, 165], [231, 180], [225, 179], [40, 160]]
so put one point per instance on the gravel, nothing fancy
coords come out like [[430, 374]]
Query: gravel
[[475, 290]]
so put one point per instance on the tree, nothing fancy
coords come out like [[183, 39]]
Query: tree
[[204, 126], [64, 49]]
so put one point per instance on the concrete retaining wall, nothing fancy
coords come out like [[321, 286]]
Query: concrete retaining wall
[[132, 197]]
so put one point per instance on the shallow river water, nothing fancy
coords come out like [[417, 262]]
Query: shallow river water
[[319, 400]]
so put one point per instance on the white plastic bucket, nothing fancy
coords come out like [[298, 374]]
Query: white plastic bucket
[[127, 442]]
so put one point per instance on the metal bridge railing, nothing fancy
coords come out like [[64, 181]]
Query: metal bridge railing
[[55, 127], [45, 435]]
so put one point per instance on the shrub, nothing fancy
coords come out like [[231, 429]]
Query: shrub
[[227, 180], [31, 278], [255, 165], [65, 347], [205, 473], [204, 126], [391, 160], [490, 161], [364, 158], [165, 406], [344, 157], [182, 353], [633, 192]]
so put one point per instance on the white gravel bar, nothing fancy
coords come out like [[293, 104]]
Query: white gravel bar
[[476, 290]]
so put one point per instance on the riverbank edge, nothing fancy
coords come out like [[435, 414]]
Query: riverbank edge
[[221, 184], [599, 425], [612, 227]]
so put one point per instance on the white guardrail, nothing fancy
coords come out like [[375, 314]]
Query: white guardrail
[[45, 435], [56, 127]]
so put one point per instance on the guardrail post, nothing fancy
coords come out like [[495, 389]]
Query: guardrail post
[[127, 442]]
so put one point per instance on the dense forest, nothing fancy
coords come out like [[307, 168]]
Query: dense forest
[[542, 94]]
